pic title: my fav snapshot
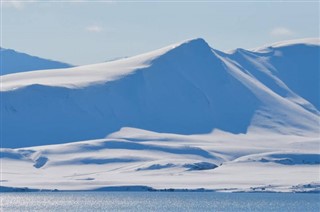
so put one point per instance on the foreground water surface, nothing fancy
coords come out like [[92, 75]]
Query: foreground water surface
[[158, 201]]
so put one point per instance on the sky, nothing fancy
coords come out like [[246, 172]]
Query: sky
[[86, 32]]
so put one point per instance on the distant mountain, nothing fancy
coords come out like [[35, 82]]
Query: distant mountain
[[15, 62], [186, 88]]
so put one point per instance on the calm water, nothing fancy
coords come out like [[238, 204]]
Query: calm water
[[156, 201]]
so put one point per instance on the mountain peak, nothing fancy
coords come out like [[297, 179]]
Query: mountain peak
[[188, 48], [196, 43]]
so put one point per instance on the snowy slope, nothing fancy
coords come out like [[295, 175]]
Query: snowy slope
[[295, 63], [184, 116], [132, 159], [187, 88], [15, 62]]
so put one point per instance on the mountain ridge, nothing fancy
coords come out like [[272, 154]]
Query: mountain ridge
[[127, 65], [185, 88]]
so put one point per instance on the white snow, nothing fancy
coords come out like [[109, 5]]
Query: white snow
[[185, 116], [251, 162], [303, 41], [83, 76]]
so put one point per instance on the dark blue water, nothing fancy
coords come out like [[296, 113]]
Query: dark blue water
[[159, 201]]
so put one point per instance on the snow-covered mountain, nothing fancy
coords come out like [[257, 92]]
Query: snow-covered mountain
[[191, 115], [15, 62], [187, 88]]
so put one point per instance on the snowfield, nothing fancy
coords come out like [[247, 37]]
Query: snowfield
[[182, 117]]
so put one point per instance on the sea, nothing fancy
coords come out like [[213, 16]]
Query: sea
[[158, 201]]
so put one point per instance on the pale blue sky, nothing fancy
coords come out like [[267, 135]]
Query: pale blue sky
[[91, 32]]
